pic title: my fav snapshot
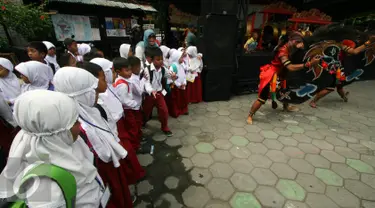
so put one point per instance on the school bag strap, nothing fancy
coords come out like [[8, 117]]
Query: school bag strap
[[63, 178], [102, 111], [121, 81]]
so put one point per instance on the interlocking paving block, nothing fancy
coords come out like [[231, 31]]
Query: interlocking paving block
[[332, 156], [181, 166], [239, 141], [187, 151], [189, 140], [283, 171], [202, 160], [317, 161], [302, 138], [368, 204], [268, 134], [220, 188], [360, 189], [328, 177], [243, 182], [282, 132], [193, 131], [257, 148], [319, 201], [241, 165], [264, 176], [346, 152], [321, 144], [310, 183], [221, 170], [368, 144], [309, 148], [295, 204], [347, 138], [195, 196], [342, 197], [314, 135], [173, 142], [301, 165], [345, 171], [217, 204], [269, 197], [145, 160], [291, 190], [168, 199], [360, 149], [237, 123], [222, 156], [327, 132], [293, 152], [260, 161], [244, 200], [222, 134], [222, 144], [335, 141], [369, 159], [266, 126], [142, 204], [295, 129], [144, 187], [223, 112], [360, 166], [238, 131], [204, 147], [273, 144], [200, 175], [171, 182], [368, 179], [277, 156], [254, 137], [287, 141], [252, 128], [159, 137], [240, 152]]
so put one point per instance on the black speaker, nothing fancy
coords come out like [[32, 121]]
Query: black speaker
[[219, 7], [217, 40], [217, 84]]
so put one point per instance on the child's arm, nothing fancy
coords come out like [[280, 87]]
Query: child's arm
[[125, 96], [147, 83]]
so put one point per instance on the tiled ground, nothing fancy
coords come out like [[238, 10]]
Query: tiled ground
[[315, 158]]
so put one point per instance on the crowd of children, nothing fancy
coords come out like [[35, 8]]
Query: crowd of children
[[85, 113]]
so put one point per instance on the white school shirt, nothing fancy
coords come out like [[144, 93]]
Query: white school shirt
[[78, 58], [125, 94], [181, 75], [144, 65], [156, 84], [137, 88]]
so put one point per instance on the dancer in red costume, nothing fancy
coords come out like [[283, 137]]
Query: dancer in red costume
[[270, 74]]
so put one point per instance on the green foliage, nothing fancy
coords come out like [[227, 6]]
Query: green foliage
[[4, 45], [30, 21]]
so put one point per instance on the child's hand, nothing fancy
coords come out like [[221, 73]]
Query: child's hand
[[173, 76], [183, 87], [154, 93]]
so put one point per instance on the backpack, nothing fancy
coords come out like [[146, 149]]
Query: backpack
[[63, 178], [169, 87]]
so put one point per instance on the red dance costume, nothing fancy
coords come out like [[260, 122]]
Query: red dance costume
[[268, 71], [177, 102], [115, 178], [194, 90]]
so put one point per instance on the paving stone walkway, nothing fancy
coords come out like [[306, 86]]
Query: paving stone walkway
[[315, 158]]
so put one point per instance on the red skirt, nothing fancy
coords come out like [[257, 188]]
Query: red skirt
[[177, 102], [117, 181], [265, 76], [131, 165], [194, 90]]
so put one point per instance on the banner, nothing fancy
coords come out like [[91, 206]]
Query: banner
[[117, 27]]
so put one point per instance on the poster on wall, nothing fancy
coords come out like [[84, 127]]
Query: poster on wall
[[83, 28], [117, 27]]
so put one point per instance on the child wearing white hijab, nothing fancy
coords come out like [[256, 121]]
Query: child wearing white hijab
[[80, 85], [83, 49], [10, 86], [177, 98], [194, 69], [125, 50], [51, 55], [50, 134], [166, 55], [35, 75]]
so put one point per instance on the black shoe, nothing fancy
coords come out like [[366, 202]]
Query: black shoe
[[187, 113], [134, 199], [168, 133]]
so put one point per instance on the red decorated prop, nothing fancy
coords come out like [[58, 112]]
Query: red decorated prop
[[313, 16]]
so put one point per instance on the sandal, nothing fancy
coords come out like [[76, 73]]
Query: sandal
[[250, 118], [312, 104]]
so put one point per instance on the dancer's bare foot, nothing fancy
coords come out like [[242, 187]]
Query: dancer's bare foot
[[345, 98], [291, 108], [249, 120]]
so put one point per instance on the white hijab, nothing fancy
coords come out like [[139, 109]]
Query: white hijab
[[51, 59], [165, 51], [181, 76], [83, 49], [80, 84], [124, 50], [109, 99], [194, 64], [46, 118], [39, 75], [6, 112], [10, 86]]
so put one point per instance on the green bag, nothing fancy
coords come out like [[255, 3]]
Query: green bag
[[168, 86], [63, 178]]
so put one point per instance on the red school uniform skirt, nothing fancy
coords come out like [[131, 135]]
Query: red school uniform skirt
[[194, 90], [177, 102], [115, 178], [133, 168], [133, 127]]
